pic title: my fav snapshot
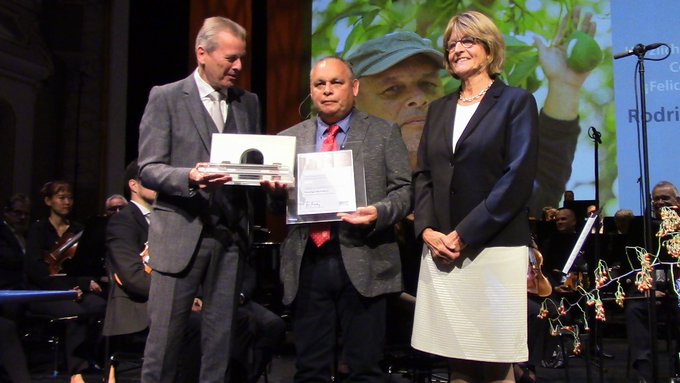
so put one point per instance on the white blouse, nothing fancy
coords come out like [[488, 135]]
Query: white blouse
[[463, 115]]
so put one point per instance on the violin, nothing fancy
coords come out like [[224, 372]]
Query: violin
[[537, 283], [64, 249], [572, 282]]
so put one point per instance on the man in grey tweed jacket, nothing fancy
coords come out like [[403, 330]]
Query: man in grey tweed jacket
[[347, 277]]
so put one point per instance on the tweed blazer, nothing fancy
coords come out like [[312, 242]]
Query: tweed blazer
[[370, 254], [175, 133]]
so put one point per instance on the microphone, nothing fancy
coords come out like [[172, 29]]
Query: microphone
[[595, 135], [637, 50]]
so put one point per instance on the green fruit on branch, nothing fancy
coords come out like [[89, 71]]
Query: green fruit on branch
[[583, 52]]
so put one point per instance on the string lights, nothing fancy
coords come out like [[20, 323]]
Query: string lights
[[669, 228]]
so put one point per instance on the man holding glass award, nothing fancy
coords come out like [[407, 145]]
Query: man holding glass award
[[199, 228], [339, 265]]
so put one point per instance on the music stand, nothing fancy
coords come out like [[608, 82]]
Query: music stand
[[579, 243], [583, 236]]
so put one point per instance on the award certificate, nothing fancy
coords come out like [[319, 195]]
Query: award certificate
[[325, 182]]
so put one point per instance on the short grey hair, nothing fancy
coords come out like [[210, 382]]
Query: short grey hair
[[114, 196], [214, 25], [17, 198]]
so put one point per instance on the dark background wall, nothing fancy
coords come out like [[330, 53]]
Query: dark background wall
[[75, 77]]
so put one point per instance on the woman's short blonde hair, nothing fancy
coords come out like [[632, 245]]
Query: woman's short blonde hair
[[480, 27]]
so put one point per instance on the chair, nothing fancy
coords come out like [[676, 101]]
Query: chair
[[399, 356], [418, 365], [43, 329]]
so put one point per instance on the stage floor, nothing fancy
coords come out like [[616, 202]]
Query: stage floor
[[282, 369]]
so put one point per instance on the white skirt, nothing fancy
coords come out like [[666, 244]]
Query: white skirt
[[476, 308]]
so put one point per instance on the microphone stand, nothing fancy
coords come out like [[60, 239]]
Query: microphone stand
[[639, 50], [647, 216], [596, 136]]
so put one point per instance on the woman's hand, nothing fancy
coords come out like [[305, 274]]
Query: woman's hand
[[95, 288], [443, 247], [79, 293]]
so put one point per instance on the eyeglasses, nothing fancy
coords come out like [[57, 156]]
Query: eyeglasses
[[114, 209], [466, 42]]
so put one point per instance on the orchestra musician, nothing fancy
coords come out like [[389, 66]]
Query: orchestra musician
[[127, 320], [45, 257]]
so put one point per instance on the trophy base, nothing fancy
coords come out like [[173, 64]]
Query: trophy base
[[251, 174]]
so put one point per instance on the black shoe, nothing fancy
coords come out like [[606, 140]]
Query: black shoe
[[523, 374], [604, 355], [556, 360]]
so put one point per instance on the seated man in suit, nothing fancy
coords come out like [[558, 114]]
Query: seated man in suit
[[114, 203], [126, 236], [557, 247], [664, 194], [126, 318], [258, 332], [13, 227]]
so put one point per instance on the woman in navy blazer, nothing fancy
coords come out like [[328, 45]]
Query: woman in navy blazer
[[476, 165]]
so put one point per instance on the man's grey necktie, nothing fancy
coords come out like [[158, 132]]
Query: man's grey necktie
[[215, 110]]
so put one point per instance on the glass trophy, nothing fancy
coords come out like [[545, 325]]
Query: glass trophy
[[252, 158]]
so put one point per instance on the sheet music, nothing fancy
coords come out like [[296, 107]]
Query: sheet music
[[579, 243]]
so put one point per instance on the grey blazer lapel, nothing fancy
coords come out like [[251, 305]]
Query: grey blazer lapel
[[307, 137], [357, 131], [197, 111]]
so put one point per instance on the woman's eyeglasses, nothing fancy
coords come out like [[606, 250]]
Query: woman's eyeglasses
[[466, 42]]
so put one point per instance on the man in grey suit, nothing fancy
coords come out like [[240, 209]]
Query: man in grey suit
[[348, 276], [199, 227]]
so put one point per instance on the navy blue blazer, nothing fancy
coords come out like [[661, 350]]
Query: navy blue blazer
[[483, 189]]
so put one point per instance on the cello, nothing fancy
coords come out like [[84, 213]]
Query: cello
[[64, 249]]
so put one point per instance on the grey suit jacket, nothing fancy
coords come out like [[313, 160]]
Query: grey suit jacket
[[175, 133], [370, 254]]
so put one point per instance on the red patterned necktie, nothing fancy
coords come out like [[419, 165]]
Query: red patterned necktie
[[320, 233]]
